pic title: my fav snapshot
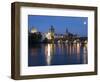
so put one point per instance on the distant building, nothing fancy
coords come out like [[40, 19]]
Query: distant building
[[50, 34], [67, 31], [59, 35], [33, 30], [52, 30], [43, 36]]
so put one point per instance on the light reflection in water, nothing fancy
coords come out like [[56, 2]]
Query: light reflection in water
[[33, 51], [78, 51], [60, 48], [85, 54], [49, 50], [78, 48], [74, 53], [70, 49], [73, 48]]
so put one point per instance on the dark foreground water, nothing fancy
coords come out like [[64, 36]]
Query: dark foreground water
[[57, 54]]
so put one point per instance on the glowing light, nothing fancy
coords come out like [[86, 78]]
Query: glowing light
[[66, 41], [85, 54], [70, 49], [85, 41], [33, 30], [78, 48], [74, 41], [48, 49], [85, 23], [48, 55], [48, 35]]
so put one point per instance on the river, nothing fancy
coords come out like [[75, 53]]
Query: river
[[57, 54]]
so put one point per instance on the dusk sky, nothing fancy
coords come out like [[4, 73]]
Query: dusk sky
[[75, 25]]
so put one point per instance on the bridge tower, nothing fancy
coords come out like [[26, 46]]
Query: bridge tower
[[67, 31], [52, 31]]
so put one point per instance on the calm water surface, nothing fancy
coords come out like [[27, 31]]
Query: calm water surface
[[57, 54]]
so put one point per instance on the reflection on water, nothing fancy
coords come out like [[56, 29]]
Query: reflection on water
[[57, 54]]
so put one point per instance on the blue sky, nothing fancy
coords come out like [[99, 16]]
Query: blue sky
[[75, 25]]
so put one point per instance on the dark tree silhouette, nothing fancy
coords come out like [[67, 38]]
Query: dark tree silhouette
[[35, 37]]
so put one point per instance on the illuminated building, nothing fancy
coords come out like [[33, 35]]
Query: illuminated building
[[33, 30], [50, 34]]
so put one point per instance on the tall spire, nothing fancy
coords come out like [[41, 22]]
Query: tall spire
[[66, 30], [52, 29]]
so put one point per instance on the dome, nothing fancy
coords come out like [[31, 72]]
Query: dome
[[33, 30]]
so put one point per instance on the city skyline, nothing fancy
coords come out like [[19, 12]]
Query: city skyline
[[75, 25]]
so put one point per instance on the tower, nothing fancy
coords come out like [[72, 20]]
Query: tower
[[51, 33], [52, 30], [67, 31]]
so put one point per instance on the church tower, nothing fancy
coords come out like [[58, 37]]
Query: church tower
[[67, 31], [51, 33], [52, 30]]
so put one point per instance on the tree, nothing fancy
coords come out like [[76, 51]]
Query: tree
[[35, 37]]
